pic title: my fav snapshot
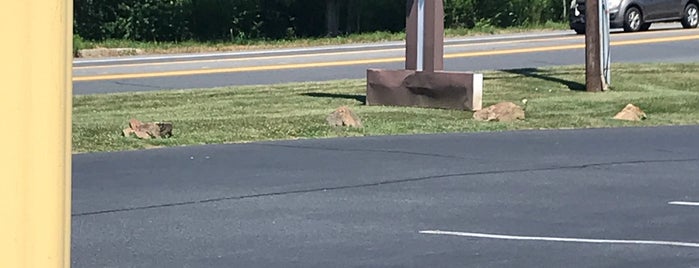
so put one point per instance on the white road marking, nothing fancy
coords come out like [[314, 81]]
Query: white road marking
[[563, 239], [683, 203]]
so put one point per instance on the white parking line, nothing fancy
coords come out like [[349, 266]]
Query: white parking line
[[684, 203], [563, 239]]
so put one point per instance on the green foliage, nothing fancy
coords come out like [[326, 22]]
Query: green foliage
[[156, 20], [244, 20], [460, 13], [510, 13], [79, 43], [152, 20]]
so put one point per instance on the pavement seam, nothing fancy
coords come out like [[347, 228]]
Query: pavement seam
[[137, 85], [366, 150], [386, 182]]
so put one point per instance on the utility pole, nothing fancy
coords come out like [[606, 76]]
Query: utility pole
[[35, 102], [593, 47]]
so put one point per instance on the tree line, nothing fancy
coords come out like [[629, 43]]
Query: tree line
[[240, 20]]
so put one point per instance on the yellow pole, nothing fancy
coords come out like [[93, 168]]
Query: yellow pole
[[35, 140]]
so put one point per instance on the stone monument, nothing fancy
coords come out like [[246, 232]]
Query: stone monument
[[423, 83]]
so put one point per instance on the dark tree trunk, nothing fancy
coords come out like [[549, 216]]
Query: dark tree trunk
[[332, 25], [353, 16]]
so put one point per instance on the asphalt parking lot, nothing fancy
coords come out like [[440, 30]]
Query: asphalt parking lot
[[622, 197]]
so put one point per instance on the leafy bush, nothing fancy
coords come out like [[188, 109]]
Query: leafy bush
[[79, 43], [240, 20]]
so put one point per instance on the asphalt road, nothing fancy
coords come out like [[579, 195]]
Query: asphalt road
[[665, 43], [572, 198]]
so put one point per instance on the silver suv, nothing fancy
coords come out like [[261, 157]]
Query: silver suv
[[637, 15]]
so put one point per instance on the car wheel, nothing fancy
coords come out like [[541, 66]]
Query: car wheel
[[633, 20], [691, 16], [646, 26]]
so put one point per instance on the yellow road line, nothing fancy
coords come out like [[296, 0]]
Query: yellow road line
[[237, 69], [565, 47], [240, 59], [370, 61], [656, 40], [323, 54]]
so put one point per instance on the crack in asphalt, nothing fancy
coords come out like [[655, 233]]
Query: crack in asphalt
[[366, 150], [137, 85], [380, 183]]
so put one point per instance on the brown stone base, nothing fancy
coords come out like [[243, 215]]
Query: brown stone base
[[446, 90]]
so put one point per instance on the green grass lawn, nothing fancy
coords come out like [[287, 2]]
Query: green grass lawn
[[668, 93]]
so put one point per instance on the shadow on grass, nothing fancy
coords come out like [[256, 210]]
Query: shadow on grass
[[359, 98], [545, 75]]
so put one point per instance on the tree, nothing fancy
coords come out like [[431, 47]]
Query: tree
[[332, 20]]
